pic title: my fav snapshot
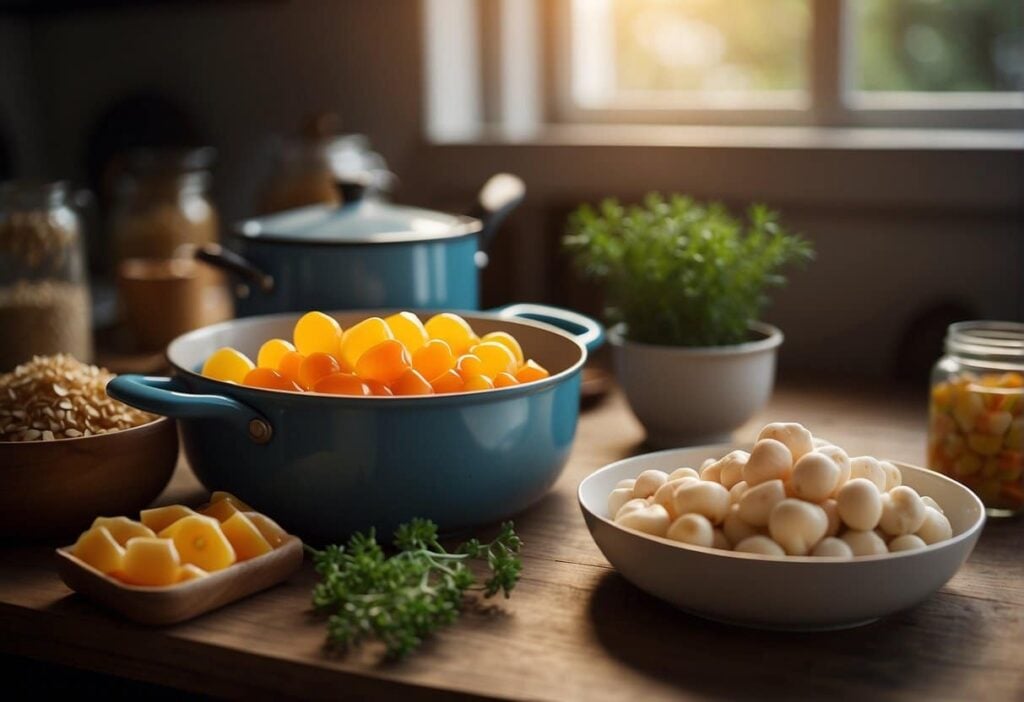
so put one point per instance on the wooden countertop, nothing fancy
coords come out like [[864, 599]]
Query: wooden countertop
[[574, 629]]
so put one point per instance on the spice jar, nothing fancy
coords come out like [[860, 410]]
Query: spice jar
[[162, 205], [976, 412], [44, 292]]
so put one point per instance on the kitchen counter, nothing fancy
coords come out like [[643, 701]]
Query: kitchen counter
[[573, 629]]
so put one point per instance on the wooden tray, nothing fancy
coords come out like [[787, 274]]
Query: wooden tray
[[157, 606]]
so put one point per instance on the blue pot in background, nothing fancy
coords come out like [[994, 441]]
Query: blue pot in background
[[327, 465], [366, 253]]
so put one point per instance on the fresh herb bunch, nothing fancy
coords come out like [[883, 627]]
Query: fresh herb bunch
[[401, 599], [679, 272]]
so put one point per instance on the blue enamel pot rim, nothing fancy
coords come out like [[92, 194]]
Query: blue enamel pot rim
[[231, 389]]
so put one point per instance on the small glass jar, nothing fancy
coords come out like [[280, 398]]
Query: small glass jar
[[44, 290], [162, 206], [976, 413]]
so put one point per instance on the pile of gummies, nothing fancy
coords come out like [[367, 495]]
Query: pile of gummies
[[397, 355]]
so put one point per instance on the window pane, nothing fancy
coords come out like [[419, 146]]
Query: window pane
[[696, 47], [939, 45]]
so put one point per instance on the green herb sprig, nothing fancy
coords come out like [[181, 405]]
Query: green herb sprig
[[401, 599], [679, 272]]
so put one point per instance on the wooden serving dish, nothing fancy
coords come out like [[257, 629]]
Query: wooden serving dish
[[56, 488], [158, 606]]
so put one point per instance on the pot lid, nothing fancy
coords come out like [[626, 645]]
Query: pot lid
[[368, 221]]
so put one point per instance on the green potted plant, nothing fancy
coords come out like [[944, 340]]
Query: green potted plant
[[685, 284]]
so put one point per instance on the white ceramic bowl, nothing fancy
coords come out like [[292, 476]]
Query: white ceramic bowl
[[795, 593]]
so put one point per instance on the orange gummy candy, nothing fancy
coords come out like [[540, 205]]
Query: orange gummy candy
[[478, 382], [316, 331], [227, 364], [412, 383], [453, 329], [448, 382], [509, 342], [316, 366], [433, 358], [504, 380], [377, 388], [290, 364], [272, 352], [470, 366], [270, 380], [496, 358], [384, 362], [369, 332], [530, 372], [342, 384], [407, 328], [245, 538]]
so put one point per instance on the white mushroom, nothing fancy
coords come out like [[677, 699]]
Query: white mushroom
[[648, 482], [869, 468], [831, 508], [757, 502], [683, 473], [692, 529], [736, 491], [759, 544], [907, 542], [617, 498], [859, 504], [626, 483], [797, 525], [631, 506], [893, 477], [795, 436], [735, 528], [935, 527], [651, 519], [814, 477], [903, 512], [769, 460], [864, 543], [730, 469], [703, 497], [831, 547], [929, 502], [720, 540], [841, 459]]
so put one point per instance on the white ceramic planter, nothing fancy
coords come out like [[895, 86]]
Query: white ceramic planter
[[696, 395]]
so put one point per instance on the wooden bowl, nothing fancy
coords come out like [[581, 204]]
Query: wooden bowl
[[56, 488], [158, 606]]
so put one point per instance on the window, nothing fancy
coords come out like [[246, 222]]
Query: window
[[955, 63], [511, 67]]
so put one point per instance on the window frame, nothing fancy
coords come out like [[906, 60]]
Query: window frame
[[829, 101]]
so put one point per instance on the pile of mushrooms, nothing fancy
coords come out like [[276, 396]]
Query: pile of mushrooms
[[790, 495]]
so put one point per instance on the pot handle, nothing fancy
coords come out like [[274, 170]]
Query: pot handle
[[227, 260], [166, 396], [588, 331], [502, 193]]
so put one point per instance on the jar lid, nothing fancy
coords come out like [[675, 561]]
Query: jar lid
[[990, 340], [367, 221]]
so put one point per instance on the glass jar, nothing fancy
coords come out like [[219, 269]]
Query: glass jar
[[162, 207], [44, 291], [976, 413]]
